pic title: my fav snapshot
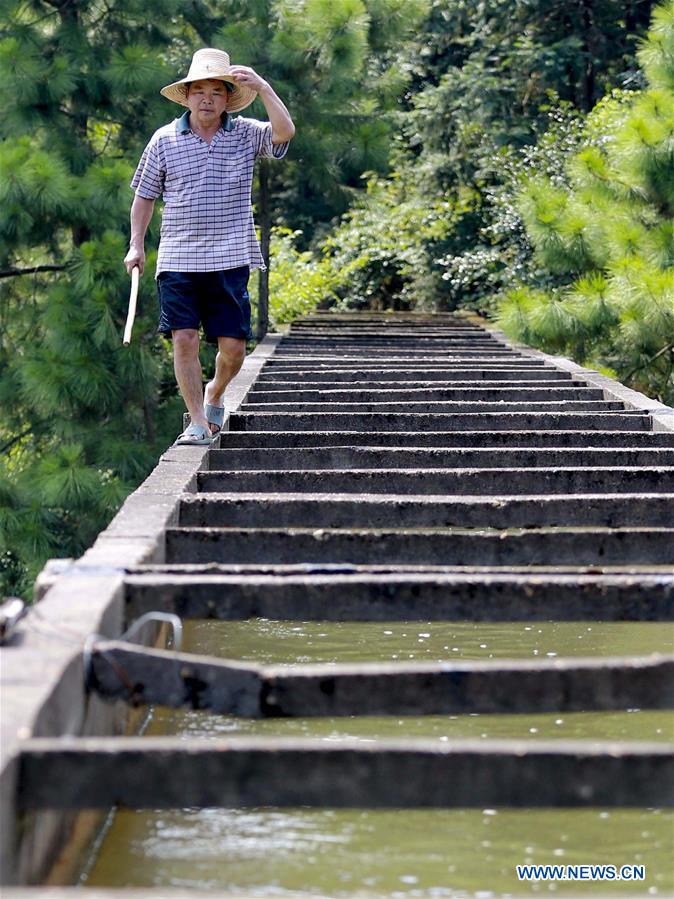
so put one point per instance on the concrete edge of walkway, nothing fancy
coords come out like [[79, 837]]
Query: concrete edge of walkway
[[42, 671], [661, 415]]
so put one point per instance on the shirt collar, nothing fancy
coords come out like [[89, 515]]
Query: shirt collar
[[183, 125]]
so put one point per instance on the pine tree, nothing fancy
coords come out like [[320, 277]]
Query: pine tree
[[609, 236]]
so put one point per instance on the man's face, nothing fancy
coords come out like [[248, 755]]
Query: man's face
[[207, 100]]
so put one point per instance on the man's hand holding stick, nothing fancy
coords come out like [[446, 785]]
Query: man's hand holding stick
[[141, 213], [133, 297]]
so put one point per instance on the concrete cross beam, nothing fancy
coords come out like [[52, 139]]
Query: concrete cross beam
[[449, 546], [439, 421], [435, 407], [372, 376], [355, 457], [169, 772], [215, 592], [329, 510], [446, 439], [445, 481], [364, 392], [175, 679]]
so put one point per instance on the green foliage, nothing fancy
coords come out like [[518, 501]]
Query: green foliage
[[609, 232], [383, 251], [298, 282], [336, 63]]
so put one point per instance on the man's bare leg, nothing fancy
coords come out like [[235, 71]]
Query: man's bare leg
[[231, 353], [188, 373]]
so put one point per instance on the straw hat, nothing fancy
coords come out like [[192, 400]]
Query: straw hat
[[210, 63]]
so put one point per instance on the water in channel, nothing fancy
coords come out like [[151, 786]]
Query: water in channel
[[410, 853]]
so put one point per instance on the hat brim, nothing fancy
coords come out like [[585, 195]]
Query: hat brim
[[237, 99]]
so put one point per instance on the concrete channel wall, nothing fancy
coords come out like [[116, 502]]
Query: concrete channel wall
[[373, 467]]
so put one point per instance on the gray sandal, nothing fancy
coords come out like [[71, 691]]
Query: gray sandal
[[215, 415], [194, 435]]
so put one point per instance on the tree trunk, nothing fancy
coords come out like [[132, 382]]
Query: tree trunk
[[589, 47], [264, 218], [149, 421]]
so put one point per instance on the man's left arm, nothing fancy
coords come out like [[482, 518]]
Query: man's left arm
[[282, 127]]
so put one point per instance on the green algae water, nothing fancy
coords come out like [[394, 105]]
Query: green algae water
[[410, 853], [270, 642]]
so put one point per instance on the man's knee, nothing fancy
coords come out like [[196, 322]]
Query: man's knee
[[186, 342], [232, 351]]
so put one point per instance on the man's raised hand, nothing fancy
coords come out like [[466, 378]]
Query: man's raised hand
[[249, 77]]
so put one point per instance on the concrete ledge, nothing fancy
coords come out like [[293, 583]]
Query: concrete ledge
[[445, 439], [451, 546], [321, 510], [357, 457], [504, 686], [42, 686], [403, 596], [445, 481], [439, 421], [244, 772]]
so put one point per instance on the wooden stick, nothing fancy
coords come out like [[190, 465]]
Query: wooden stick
[[135, 276]]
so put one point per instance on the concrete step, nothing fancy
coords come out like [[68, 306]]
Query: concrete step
[[443, 687], [325, 510], [382, 377], [308, 593], [393, 331], [566, 389], [451, 546], [349, 457], [415, 344], [433, 406], [405, 354], [405, 363], [249, 772], [438, 421], [372, 338], [420, 348], [390, 393], [457, 481], [389, 335], [448, 439], [384, 319], [394, 337], [394, 340]]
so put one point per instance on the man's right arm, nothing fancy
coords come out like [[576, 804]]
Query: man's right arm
[[141, 214]]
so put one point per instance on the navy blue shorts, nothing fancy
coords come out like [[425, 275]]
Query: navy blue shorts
[[217, 300]]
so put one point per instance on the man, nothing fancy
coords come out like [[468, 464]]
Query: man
[[202, 164]]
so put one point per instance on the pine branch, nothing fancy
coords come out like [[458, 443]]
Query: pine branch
[[660, 352], [10, 443], [17, 272]]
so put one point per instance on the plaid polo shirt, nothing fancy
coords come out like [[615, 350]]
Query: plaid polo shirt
[[207, 222]]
